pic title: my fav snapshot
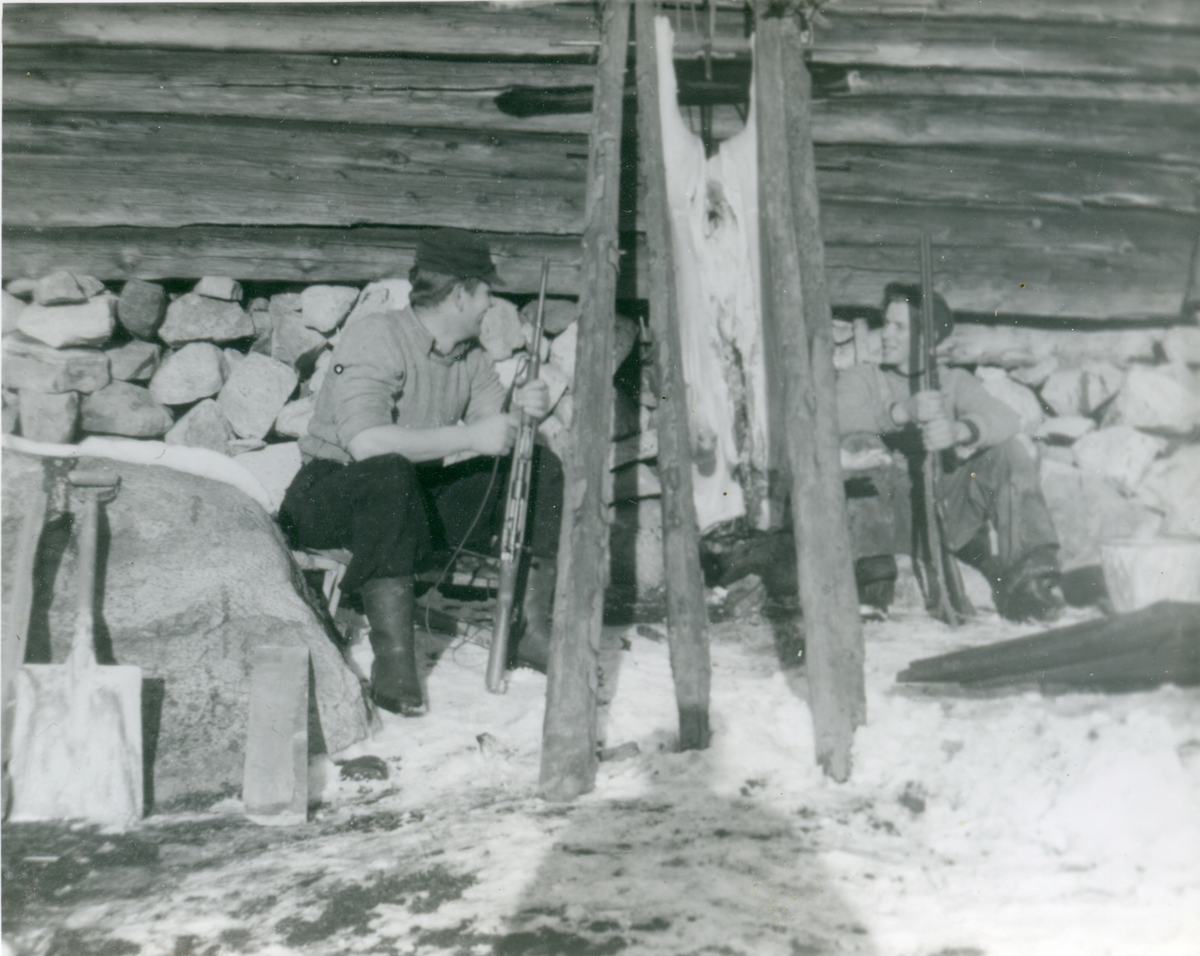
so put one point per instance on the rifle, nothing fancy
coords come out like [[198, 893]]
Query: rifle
[[944, 589], [516, 508]]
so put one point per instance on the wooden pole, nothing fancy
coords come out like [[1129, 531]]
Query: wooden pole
[[798, 325], [686, 614], [569, 732]]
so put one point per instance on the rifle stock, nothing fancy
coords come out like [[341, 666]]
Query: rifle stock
[[516, 507]]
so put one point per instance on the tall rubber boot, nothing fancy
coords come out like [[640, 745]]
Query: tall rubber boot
[[533, 649], [395, 686]]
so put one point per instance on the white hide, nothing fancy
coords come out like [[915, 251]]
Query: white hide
[[713, 207]]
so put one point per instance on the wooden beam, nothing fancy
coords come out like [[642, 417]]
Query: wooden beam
[[800, 349], [569, 733], [687, 616], [318, 87], [1161, 13]]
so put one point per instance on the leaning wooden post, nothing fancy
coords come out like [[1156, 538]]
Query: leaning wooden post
[[686, 614], [569, 731], [798, 325]]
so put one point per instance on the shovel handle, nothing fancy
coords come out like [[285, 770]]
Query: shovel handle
[[94, 487]]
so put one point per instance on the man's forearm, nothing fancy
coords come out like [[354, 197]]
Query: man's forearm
[[415, 444]]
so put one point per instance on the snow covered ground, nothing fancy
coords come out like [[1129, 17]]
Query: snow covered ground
[[999, 823]]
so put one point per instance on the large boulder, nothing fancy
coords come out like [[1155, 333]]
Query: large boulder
[[49, 416], [204, 426], [67, 326], [325, 306], [292, 342], [1088, 510], [121, 408], [135, 361], [35, 365], [197, 318], [195, 576], [1164, 398], [255, 393], [1019, 398], [196, 371], [1122, 454]]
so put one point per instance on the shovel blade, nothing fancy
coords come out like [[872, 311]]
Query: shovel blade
[[77, 744]]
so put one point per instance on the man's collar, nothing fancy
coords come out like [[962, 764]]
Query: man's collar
[[429, 344]]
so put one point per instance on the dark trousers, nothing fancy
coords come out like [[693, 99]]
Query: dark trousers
[[997, 486], [397, 518]]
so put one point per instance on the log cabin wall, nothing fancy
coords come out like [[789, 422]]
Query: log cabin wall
[[1052, 150]]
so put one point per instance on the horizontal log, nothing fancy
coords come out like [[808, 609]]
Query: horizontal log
[[1163, 13], [1060, 282], [316, 87]]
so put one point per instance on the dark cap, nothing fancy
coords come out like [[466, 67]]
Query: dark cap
[[458, 253], [943, 318]]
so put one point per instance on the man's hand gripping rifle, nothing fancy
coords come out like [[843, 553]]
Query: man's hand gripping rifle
[[516, 508]]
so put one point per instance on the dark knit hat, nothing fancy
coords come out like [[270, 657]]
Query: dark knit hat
[[943, 318], [458, 253]]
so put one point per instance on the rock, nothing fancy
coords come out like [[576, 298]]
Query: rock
[[1065, 428], [1172, 486], [134, 361], [91, 285], [1016, 396], [49, 417], [122, 408], [292, 342], [312, 385], [386, 295], [557, 315], [293, 419], [141, 307], [203, 426], [197, 318], [58, 288], [219, 287], [67, 326], [239, 446], [1122, 454], [22, 288], [260, 315], [1012, 347], [1163, 398], [254, 394], [500, 330], [233, 357], [196, 576], [11, 311], [1083, 390], [1088, 510], [562, 351], [1034, 375], [274, 466], [198, 370], [1140, 573], [1182, 344], [325, 306], [36, 366]]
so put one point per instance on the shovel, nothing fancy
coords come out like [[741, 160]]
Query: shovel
[[77, 729]]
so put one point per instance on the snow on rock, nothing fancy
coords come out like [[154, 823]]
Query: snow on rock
[[203, 426], [1018, 397], [255, 393], [198, 370], [122, 408], [65, 326], [1122, 454], [1164, 398]]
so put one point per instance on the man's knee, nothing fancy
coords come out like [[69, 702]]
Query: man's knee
[[391, 474]]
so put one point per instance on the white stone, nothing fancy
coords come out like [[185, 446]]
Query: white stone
[[197, 318], [11, 311], [1182, 344], [254, 394], [1065, 427], [122, 408], [233, 357], [1172, 486], [58, 288], [562, 350], [274, 466], [198, 370], [1016, 396], [386, 295], [294, 417], [47, 417], [1034, 375], [204, 426], [1122, 454], [1081, 390], [1088, 510], [64, 326], [134, 361], [292, 341], [500, 329], [1142, 572], [1163, 398], [22, 287], [35, 365], [219, 287], [325, 306]]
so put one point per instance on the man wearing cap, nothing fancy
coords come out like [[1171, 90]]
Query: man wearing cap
[[993, 479], [405, 390]]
